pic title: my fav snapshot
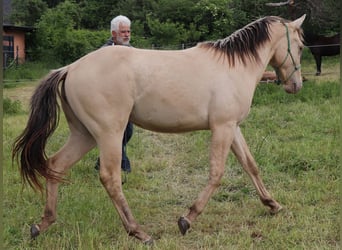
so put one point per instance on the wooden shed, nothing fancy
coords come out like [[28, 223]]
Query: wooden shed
[[14, 43], [14, 48]]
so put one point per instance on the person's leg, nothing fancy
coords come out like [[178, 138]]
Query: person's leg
[[97, 164], [125, 163]]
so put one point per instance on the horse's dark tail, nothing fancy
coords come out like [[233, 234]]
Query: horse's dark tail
[[29, 148]]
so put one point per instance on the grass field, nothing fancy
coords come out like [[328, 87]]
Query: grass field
[[294, 138]]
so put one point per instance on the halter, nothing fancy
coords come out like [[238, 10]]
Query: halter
[[296, 67]]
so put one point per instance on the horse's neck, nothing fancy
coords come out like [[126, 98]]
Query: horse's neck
[[310, 38], [267, 51], [258, 68]]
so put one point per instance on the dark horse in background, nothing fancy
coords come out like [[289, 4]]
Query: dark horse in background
[[322, 46]]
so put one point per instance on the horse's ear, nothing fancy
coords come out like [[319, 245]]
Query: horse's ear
[[298, 22]]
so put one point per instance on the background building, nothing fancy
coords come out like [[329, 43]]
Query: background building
[[14, 49]]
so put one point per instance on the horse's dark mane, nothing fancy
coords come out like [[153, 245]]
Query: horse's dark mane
[[244, 43]]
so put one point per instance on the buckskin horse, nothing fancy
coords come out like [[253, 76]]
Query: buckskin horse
[[207, 87], [322, 46]]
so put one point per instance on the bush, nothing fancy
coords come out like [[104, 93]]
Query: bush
[[78, 43], [60, 38], [11, 107], [28, 71]]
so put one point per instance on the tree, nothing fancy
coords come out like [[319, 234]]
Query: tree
[[323, 17], [53, 3], [27, 12], [96, 15], [60, 38], [62, 29], [178, 21], [213, 19], [166, 33]]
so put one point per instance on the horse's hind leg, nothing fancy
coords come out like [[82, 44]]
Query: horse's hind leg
[[241, 151], [77, 145], [110, 176], [221, 140]]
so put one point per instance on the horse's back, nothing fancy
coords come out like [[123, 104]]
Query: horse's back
[[324, 46]]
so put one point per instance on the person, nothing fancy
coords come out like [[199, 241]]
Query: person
[[121, 35], [120, 28]]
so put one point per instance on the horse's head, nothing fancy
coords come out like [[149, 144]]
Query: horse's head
[[287, 56]]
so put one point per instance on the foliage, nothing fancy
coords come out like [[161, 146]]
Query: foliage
[[52, 29], [27, 12], [245, 11], [28, 71], [11, 107], [322, 16], [96, 15], [78, 43], [166, 32], [62, 22], [213, 19], [163, 23]]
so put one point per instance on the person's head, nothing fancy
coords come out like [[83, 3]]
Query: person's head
[[120, 28]]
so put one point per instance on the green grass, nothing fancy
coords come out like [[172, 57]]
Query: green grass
[[27, 71], [294, 138]]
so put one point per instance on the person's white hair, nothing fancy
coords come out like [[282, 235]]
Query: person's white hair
[[114, 24]]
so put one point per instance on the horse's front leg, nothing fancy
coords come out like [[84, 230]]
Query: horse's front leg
[[241, 151], [318, 59], [222, 137], [110, 176]]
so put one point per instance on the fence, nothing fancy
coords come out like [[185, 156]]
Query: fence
[[11, 59]]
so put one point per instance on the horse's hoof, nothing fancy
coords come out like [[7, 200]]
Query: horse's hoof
[[149, 242], [183, 225], [34, 231], [318, 73], [275, 210]]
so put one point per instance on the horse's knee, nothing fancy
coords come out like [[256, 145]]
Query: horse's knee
[[105, 175], [215, 177]]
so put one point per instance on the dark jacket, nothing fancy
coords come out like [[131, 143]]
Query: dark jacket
[[110, 42]]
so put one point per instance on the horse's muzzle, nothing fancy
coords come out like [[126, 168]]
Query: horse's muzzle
[[293, 88]]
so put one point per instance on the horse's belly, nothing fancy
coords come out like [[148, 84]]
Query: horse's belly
[[169, 117]]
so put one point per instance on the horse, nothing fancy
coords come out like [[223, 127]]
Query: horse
[[207, 87], [269, 76], [322, 46]]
